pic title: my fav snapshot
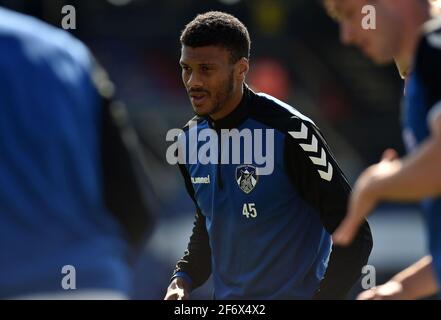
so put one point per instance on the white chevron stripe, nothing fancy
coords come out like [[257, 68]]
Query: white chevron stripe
[[320, 161], [310, 147], [302, 134], [326, 175], [313, 147]]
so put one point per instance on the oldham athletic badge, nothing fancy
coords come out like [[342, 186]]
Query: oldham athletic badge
[[246, 178]]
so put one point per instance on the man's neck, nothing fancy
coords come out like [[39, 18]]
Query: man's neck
[[230, 106], [412, 34]]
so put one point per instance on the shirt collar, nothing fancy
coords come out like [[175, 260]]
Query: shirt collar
[[235, 117]]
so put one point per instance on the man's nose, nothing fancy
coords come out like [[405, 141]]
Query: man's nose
[[194, 81]]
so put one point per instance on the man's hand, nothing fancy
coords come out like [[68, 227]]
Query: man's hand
[[392, 290], [364, 196], [415, 282], [178, 290]]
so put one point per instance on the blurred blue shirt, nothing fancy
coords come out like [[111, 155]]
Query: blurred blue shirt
[[52, 212], [423, 102]]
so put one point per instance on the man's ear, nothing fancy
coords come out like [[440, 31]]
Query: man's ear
[[242, 68]]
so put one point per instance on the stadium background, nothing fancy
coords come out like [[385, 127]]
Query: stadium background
[[296, 57]]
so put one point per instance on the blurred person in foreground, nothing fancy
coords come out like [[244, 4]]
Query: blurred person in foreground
[[71, 175], [405, 32], [260, 236]]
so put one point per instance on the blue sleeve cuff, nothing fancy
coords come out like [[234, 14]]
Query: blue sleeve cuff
[[184, 276]]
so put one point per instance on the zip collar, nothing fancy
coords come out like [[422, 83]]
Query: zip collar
[[236, 117]]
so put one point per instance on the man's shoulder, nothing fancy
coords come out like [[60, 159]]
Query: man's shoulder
[[40, 39], [428, 54], [279, 115], [427, 64], [432, 27]]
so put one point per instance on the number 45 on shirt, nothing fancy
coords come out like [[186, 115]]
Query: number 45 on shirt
[[249, 210]]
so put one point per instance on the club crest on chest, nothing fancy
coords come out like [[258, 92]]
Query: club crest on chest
[[246, 178]]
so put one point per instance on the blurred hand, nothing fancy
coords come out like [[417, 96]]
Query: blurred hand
[[391, 290], [363, 198], [178, 290]]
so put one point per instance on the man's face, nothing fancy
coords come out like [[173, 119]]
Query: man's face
[[379, 44], [209, 77]]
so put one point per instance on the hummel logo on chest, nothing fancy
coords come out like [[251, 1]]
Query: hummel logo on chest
[[200, 180]]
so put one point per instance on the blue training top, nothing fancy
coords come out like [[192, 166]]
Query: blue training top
[[52, 211]]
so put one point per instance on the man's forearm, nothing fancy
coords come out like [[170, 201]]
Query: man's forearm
[[418, 280], [196, 262], [418, 178]]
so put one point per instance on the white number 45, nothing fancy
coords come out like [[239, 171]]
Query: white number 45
[[249, 210]]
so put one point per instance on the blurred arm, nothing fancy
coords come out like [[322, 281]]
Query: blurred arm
[[418, 176], [127, 190], [415, 282]]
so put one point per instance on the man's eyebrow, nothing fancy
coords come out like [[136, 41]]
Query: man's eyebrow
[[207, 64], [202, 64]]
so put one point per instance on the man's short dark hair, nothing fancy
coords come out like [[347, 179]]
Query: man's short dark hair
[[216, 28]]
